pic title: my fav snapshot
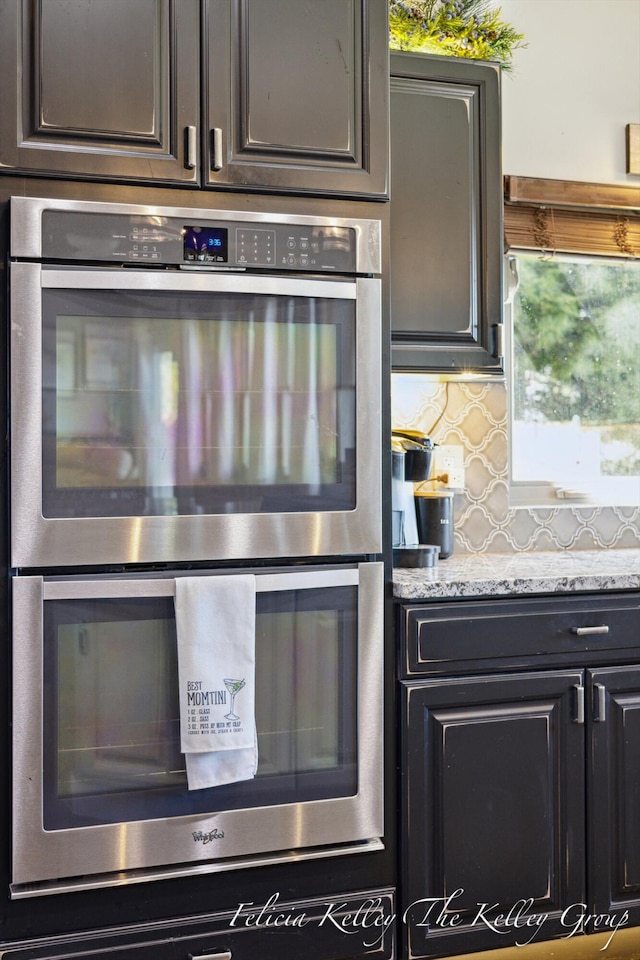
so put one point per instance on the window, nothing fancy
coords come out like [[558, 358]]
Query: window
[[574, 356]]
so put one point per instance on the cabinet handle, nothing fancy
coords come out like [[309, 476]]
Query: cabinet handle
[[498, 330], [190, 145], [219, 955], [590, 631], [216, 148], [600, 712], [579, 689]]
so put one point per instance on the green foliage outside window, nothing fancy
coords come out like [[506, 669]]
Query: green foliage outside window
[[577, 351]]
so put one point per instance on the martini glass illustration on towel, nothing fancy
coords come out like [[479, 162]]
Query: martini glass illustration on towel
[[234, 687]]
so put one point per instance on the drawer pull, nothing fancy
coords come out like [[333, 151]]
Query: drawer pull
[[590, 631], [579, 717], [218, 955]]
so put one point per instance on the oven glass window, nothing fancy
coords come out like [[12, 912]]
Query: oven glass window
[[165, 404], [112, 753]]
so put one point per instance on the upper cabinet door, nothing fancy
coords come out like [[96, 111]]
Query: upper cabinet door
[[100, 90], [446, 214], [297, 95]]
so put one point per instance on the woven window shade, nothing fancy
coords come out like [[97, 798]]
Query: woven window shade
[[553, 216]]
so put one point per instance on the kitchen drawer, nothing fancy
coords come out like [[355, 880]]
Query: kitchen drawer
[[494, 634], [349, 928]]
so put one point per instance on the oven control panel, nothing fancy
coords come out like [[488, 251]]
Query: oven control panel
[[224, 243]]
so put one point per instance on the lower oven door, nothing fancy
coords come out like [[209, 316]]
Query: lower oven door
[[99, 786]]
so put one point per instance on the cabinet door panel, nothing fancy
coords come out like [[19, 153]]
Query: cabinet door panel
[[437, 128], [615, 792], [446, 203], [99, 90], [298, 95], [493, 799]]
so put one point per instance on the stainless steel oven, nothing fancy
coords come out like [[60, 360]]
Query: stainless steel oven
[[192, 385], [99, 789]]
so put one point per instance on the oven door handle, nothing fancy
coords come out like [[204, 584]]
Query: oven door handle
[[192, 281], [72, 589]]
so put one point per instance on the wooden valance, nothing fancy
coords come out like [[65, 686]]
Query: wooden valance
[[554, 216]]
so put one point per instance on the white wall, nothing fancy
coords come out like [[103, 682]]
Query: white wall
[[572, 90]]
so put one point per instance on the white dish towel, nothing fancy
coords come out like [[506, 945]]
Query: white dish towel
[[216, 629]]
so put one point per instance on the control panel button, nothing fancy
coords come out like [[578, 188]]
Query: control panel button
[[255, 246]]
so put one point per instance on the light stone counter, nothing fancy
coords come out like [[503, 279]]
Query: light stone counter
[[515, 574]]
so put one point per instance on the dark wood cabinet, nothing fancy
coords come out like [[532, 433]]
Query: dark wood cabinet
[[519, 769], [446, 214], [614, 791], [493, 791], [100, 90], [297, 95], [278, 95]]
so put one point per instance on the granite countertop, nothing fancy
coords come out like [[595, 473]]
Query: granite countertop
[[513, 574]]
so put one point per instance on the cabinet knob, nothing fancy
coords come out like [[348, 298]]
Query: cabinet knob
[[590, 631]]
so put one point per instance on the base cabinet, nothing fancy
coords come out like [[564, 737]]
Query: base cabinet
[[493, 792], [613, 742], [356, 927], [270, 95], [520, 787]]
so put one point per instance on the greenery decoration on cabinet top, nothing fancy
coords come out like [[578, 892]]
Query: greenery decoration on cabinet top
[[454, 28]]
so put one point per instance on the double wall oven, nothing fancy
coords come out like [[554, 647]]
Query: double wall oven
[[193, 393]]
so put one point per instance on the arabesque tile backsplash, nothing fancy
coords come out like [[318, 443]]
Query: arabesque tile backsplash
[[474, 415]]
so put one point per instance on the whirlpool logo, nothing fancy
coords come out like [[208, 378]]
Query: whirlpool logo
[[202, 836]]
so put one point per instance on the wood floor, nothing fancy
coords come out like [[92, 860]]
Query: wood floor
[[625, 945]]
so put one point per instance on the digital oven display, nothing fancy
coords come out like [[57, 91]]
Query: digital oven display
[[205, 244]]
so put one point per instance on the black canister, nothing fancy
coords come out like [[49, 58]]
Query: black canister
[[434, 513], [418, 456]]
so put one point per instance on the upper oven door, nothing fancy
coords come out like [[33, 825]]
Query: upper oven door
[[164, 416]]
